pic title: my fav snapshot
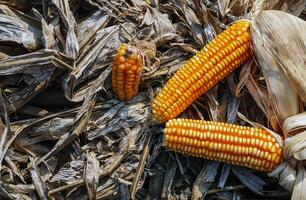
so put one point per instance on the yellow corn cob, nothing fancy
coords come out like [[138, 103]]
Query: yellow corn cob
[[239, 145], [215, 61], [126, 72]]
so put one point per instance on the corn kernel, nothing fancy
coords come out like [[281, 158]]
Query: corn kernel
[[126, 72], [204, 70], [224, 142]]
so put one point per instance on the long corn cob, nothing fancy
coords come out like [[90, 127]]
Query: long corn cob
[[215, 61], [245, 146], [126, 72]]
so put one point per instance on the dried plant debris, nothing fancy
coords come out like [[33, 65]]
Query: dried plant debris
[[64, 135]]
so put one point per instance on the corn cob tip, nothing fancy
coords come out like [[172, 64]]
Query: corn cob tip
[[239, 145]]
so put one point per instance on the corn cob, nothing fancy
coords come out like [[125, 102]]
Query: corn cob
[[239, 145], [215, 61], [126, 72]]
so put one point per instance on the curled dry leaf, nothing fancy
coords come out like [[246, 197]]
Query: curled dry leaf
[[93, 60], [294, 7], [86, 30], [47, 32], [71, 43], [285, 174], [295, 146], [37, 69], [20, 28], [293, 124], [295, 143], [72, 172], [235, 7], [161, 28], [50, 130], [91, 175], [5, 136], [300, 183], [204, 180], [39, 185]]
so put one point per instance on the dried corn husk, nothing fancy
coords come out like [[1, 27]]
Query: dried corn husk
[[280, 48], [284, 38], [284, 104]]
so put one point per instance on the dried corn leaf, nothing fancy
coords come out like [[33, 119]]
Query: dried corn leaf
[[71, 42], [5, 136], [286, 175], [208, 22], [47, 31], [86, 30], [92, 61], [295, 143], [200, 27], [294, 7], [19, 28], [253, 182], [36, 70], [69, 173], [50, 130], [194, 25], [19, 189], [204, 180], [81, 119], [120, 10], [295, 146], [37, 182], [234, 7], [161, 29], [121, 116], [91, 175], [169, 177]]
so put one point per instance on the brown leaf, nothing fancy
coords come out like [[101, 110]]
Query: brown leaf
[[91, 175]]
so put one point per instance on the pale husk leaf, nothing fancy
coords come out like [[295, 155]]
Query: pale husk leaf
[[294, 123], [278, 38], [285, 174], [295, 144], [283, 37], [284, 104], [300, 184]]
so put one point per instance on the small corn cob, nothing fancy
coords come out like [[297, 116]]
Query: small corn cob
[[215, 61], [239, 145], [126, 72]]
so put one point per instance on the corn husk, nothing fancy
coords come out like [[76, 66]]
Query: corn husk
[[283, 37], [285, 104], [280, 47]]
